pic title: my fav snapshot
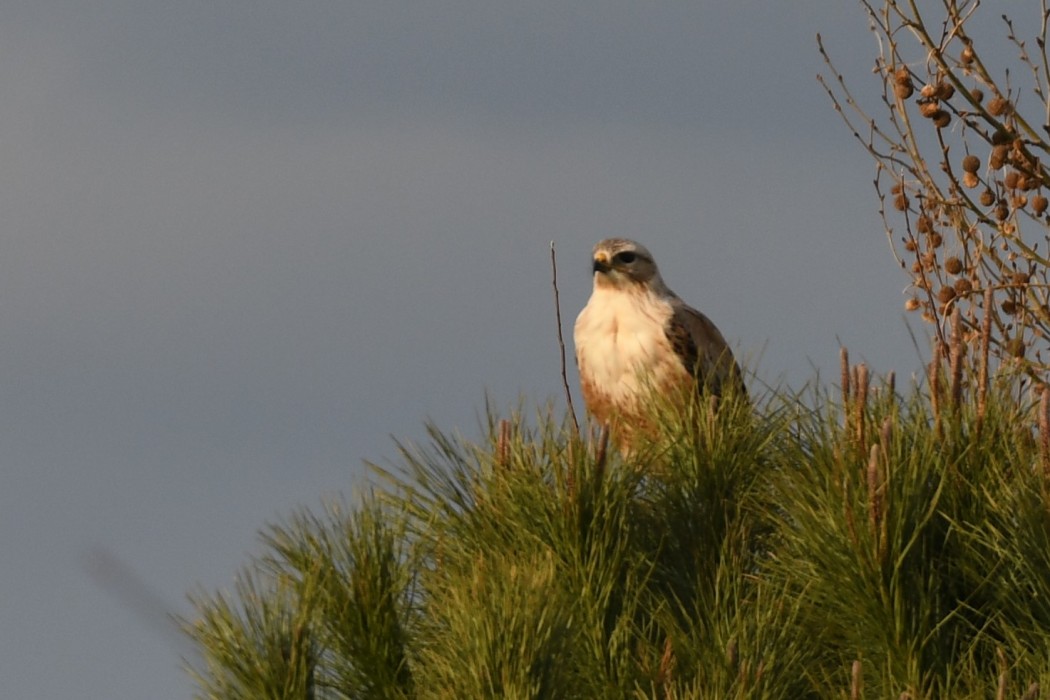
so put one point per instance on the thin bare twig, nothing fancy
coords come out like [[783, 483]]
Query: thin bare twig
[[561, 342]]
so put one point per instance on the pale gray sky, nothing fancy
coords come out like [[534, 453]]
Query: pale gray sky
[[243, 243]]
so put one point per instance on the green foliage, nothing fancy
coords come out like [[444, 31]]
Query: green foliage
[[874, 547]]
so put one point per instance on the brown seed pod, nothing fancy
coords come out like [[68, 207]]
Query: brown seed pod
[[936, 240], [923, 224], [970, 180], [944, 91], [942, 119], [902, 76], [998, 106], [1002, 137], [987, 198], [998, 157], [946, 294], [1039, 203], [903, 90], [910, 245], [953, 265], [1011, 180], [1019, 202], [966, 57], [971, 164], [929, 90], [1020, 278], [1001, 212], [977, 95], [963, 286], [911, 304], [929, 109], [900, 202], [1009, 308], [896, 189]]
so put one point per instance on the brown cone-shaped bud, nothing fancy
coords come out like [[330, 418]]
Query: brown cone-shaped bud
[[971, 164], [953, 265], [998, 106]]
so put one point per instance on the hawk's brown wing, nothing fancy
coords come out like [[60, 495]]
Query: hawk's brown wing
[[703, 350]]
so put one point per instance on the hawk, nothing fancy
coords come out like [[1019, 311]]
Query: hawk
[[635, 336]]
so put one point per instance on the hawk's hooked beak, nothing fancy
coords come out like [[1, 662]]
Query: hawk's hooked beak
[[601, 263]]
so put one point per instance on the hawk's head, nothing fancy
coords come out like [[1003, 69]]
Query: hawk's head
[[618, 262]]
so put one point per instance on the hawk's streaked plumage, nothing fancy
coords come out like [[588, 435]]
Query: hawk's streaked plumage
[[636, 336]]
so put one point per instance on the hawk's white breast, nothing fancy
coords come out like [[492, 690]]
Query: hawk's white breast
[[621, 341]]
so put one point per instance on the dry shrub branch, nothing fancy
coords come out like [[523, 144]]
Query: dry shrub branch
[[960, 151]]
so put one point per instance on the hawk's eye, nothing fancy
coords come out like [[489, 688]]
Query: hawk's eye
[[625, 257]]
